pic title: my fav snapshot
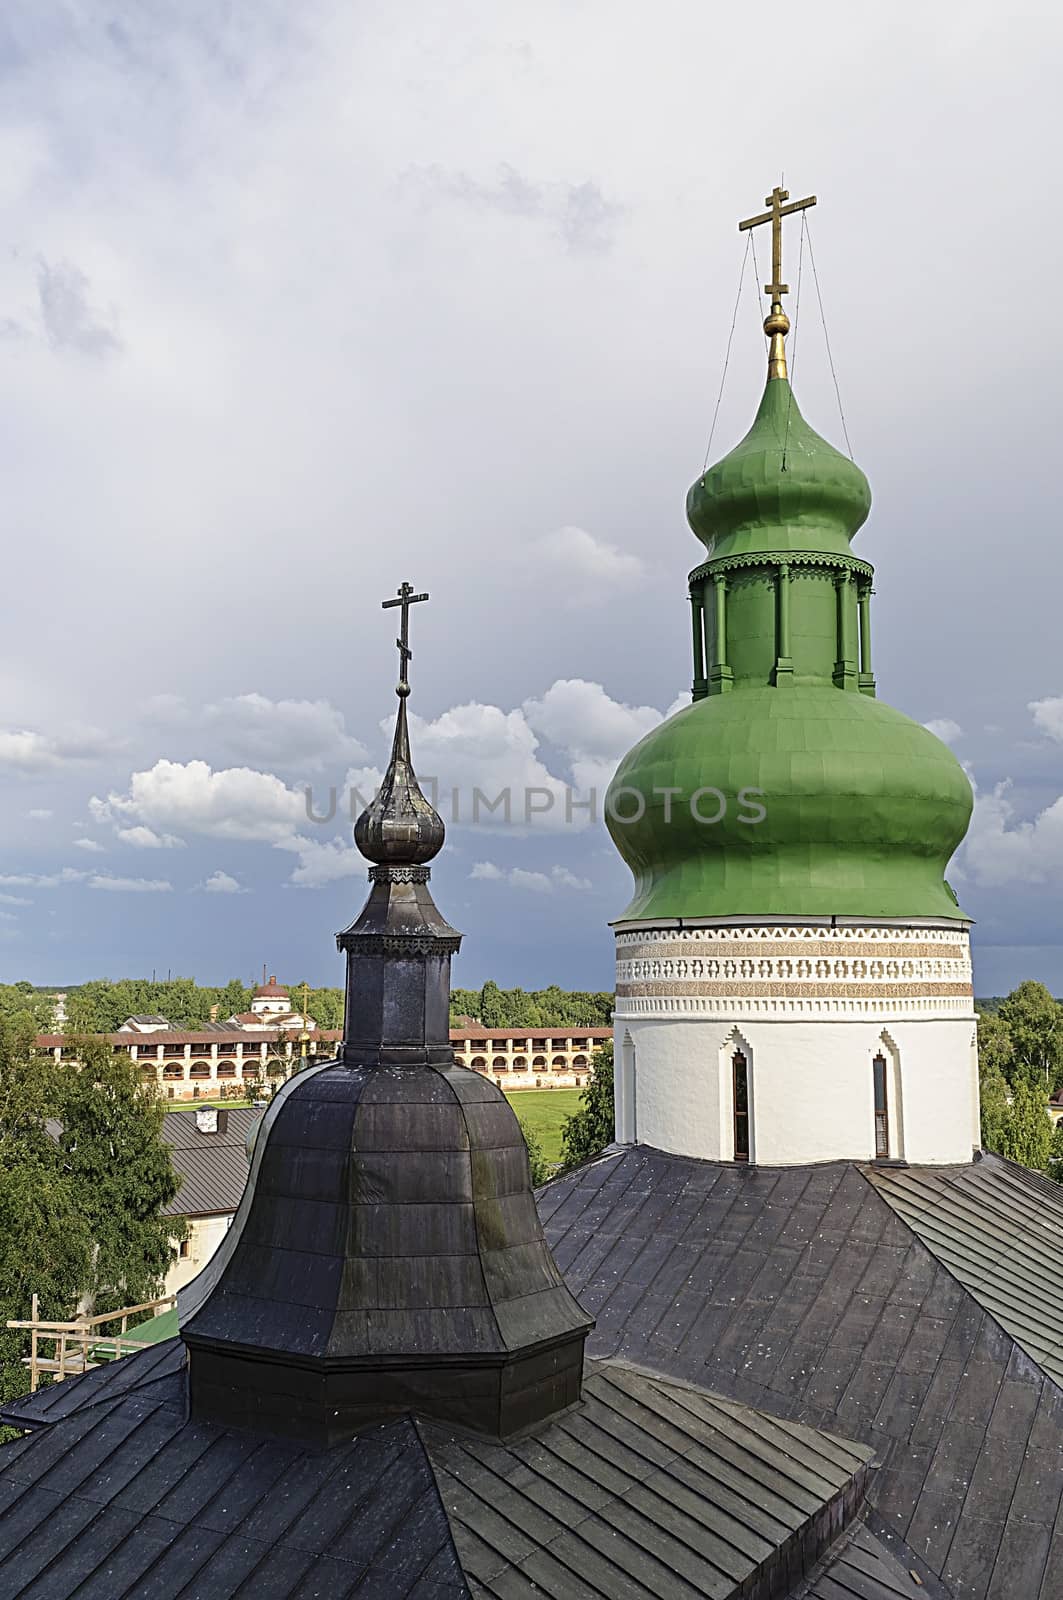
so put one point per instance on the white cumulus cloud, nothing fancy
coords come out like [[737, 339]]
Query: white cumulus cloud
[[222, 883], [490, 757], [522, 878], [28, 752], [43, 880], [144, 838], [102, 880], [307, 734], [92, 845], [323, 861], [1048, 715], [580, 567], [232, 803], [1001, 849], [944, 729], [591, 728]]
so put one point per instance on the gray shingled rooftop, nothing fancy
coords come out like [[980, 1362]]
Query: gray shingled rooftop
[[646, 1489], [776, 1343]]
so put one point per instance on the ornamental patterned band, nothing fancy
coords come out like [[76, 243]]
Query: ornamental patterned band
[[763, 970]]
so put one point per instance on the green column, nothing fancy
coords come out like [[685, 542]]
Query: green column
[[720, 675], [845, 671], [784, 666], [863, 599], [697, 609]]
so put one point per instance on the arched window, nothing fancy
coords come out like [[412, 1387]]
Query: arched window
[[882, 1117], [740, 1091]]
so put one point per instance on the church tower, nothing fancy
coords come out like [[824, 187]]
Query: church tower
[[793, 972]]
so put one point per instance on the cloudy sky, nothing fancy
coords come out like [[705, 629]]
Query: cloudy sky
[[299, 301]]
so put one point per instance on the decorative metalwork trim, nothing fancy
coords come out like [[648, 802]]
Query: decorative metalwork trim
[[397, 944], [775, 558], [804, 991], [386, 874], [797, 949]]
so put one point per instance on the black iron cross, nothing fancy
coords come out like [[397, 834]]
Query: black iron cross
[[406, 599]]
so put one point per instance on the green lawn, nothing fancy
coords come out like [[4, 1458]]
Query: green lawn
[[543, 1111], [196, 1105]]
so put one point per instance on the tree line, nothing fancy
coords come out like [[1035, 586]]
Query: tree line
[[493, 1007], [1020, 1066], [103, 1004]]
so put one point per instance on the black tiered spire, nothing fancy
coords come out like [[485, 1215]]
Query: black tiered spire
[[398, 951], [387, 1255]]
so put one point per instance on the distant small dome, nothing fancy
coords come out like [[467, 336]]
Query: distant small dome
[[271, 990]]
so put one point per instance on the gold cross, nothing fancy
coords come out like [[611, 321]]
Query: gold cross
[[406, 599], [777, 323], [775, 216]]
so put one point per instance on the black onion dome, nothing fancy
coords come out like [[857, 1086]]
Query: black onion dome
[[399, 827], [387, 1256]]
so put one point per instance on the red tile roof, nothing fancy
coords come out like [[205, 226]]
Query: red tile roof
[[475, 1035]]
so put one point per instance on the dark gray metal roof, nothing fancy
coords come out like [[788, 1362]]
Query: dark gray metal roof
[[1000, 1231], [181, 1131], [794, 1299], [801, 1292], [125, 1500], [212, 1166], [140, 1371], [647, 1489], [864, 1569]]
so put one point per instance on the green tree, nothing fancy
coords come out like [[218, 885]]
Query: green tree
[[120, 1173], [491, 1009], [233, 1000], [1034, 1021], [464, 1003], [1026, 1134], [46, 1243], [540, 1167], [1055, 1154], [993, 1094], [996, 1048], [82, 1015], [593, 1126], [520, 1009]]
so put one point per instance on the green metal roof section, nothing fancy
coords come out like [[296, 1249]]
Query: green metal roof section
[[782, 488], [999, 1230], [161, 1327], [862, 810]]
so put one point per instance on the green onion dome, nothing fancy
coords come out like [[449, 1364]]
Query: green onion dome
[[861, 809], [786, 788], [781, 488]]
